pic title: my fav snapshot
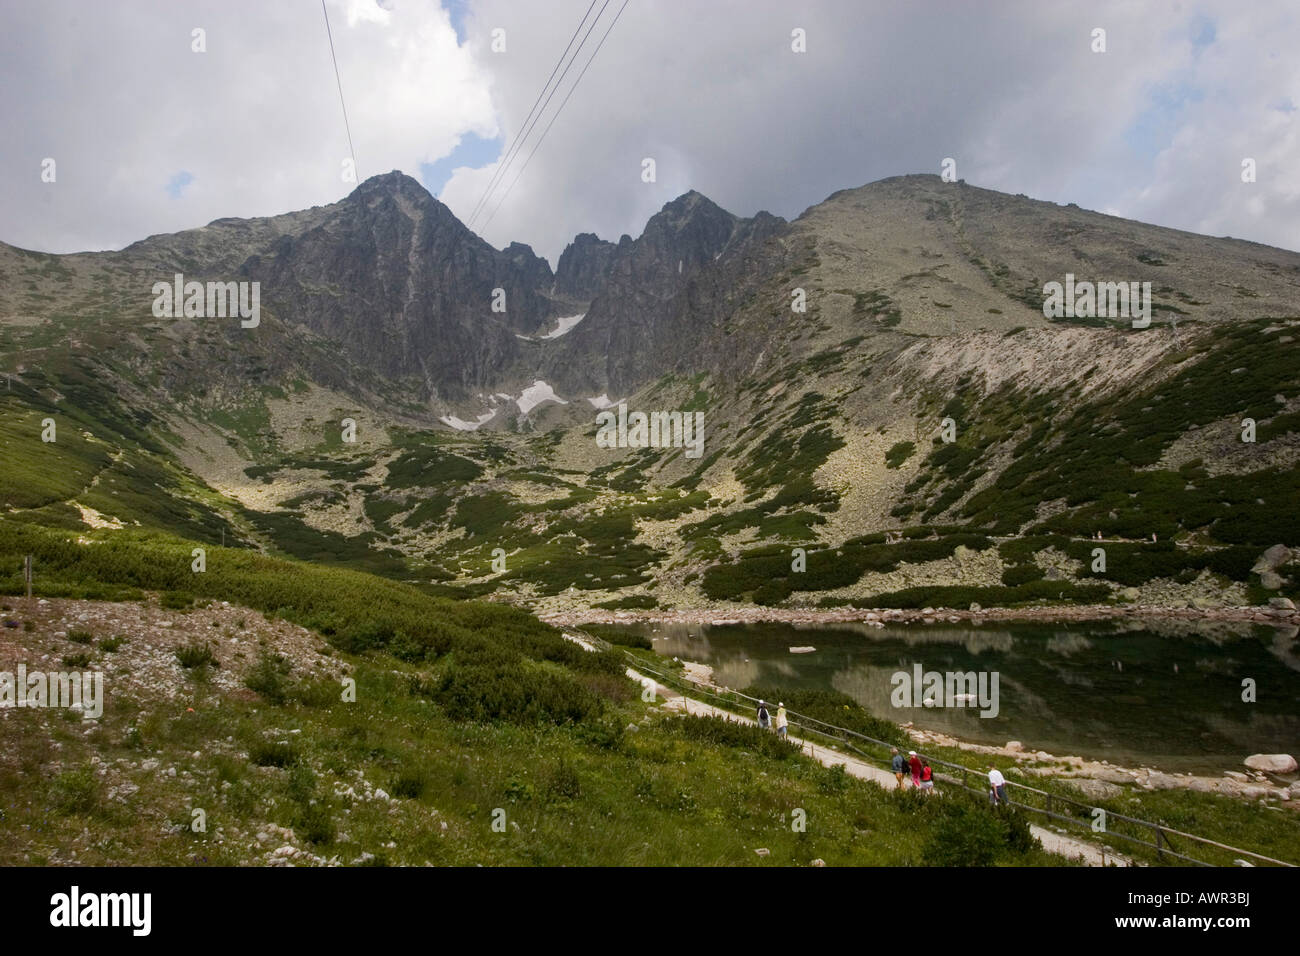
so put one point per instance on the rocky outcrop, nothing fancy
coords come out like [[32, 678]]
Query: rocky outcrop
[[398, 281], [1268, 564], [583, 267], [666, 297], [1271, 763]]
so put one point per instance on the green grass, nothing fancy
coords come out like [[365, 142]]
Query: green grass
[[482, 707], [677, 791]]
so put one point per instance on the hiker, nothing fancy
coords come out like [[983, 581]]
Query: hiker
[[997, 786], [898, 764], [927, 777], [764, 720], [914, 762], [782, 724]]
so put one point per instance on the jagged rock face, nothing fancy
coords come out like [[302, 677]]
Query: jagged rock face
[[663, 297], [584, 266], [406, 288], [387, 286]]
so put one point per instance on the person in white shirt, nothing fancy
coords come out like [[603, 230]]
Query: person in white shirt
[[782, 723], [997, 786]]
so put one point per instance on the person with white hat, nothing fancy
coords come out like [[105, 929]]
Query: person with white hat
[[782, 724], [914, 763]]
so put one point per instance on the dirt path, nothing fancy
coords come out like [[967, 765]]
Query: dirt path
[[1052, 841]]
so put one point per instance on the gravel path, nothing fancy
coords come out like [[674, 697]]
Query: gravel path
[[1053, 842]]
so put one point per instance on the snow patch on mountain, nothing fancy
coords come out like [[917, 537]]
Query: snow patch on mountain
[[463, 426], [565, 324], [535, 394]]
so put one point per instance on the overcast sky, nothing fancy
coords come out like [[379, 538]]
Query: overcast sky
[[149, 136]]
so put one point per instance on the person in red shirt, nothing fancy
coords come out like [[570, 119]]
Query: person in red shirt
[[914, 762], [927, 777]]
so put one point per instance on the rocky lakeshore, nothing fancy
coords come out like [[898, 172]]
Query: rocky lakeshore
[[1280, 612], [1269, 778]]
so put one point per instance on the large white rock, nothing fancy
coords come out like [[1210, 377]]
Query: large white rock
[[1097, 789], [1163, 781], [1272, 763], [1273, 558]]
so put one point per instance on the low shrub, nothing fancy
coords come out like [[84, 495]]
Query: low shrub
[[196, 655], [266, 753], [514, 695], [732, 733], [269, 676]]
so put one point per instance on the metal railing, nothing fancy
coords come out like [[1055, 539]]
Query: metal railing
[[1054, 806]]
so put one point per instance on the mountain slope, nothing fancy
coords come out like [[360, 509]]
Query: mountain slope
[[824, 426]]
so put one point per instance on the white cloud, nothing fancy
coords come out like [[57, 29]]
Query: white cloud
[[711, 91], [115, 94]]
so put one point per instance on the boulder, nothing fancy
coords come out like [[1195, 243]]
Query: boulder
[[1281, 604], [975, 607], [1272, 559], [763, 851], [818, 862], [1163, 781], [1015, 746], [1271, 580], [1271, 763], [1129, 594], [1097, 789]]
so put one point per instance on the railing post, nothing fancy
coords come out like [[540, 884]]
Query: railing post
[[1160, 839]]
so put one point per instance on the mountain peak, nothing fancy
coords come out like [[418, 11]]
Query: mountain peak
[[688, 201], [394, 181]]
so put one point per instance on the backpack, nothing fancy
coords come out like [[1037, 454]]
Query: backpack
[[762, 714]]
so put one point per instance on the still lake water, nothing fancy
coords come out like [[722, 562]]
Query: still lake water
[[1165, 694]]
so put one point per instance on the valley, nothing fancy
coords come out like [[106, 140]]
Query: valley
[[886, 433]]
